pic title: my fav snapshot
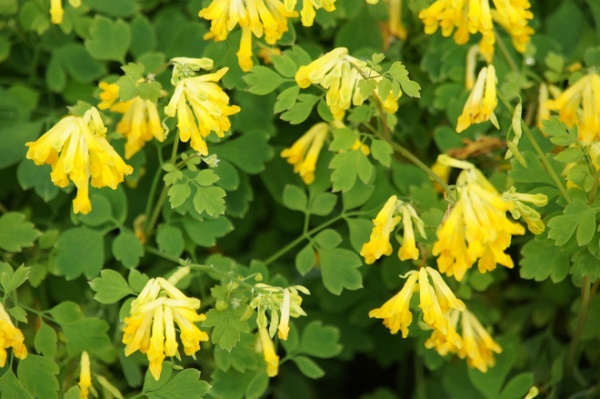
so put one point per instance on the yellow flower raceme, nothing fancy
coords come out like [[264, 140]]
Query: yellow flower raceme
[[201, 107], [268, 350], [393, 212], [277, 300], [304, 153], [150, 328], [481, 102], [255, 17], [85, 376], [466, 17], [57, 12], [436, 301], [476, 227], [340, 74], [77, 150], [140, 122], [10, 337], [580, 105]]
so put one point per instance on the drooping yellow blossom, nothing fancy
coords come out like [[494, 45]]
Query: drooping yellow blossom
[[57, 12], [530, 215], [476, 227], [340, 74], [10, 337], [393, 212], [395, 25], [268, 350], [140, 122], [278, 300], [85, 376], [477, 346], [436, 300], [255, 17], [308, 8], [201, 106], [150, 328], [580, 105], [77, 150], [466, 17], [481, 102], [304, 153]]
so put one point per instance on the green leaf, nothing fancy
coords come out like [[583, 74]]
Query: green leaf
[[490, 382], [338, 270], [308, 367], [230, 384], [248, 152], [584, 264], [284, 65], [210, 200], [16, 233], [257, 386], [38, 375], [11, 387], [66, 312], [301, 109], [322, 204], [227, 327], [13, 280], [294, 198], [88, 335], [320, 341], [205, 233], [110, 287], [79, 251], [328, 239], [178, 194], [242, 357], [114, 8], [143, 35], [343, 139], [184, 385], [263, 80], [517, 387], [109, 40], [542, 259], [79, 63], [170, 240], [45, 340], [286, 99], [568, 155], [347, 167], [127, 249], [14, 138], [37, 177], [577, 216], [382, 152], [305, 259], [558, 133], [101, 211]]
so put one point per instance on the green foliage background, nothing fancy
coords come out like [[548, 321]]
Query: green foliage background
[[69, 279]]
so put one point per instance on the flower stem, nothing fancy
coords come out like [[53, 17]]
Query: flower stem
[[509, 59], [584, 307]]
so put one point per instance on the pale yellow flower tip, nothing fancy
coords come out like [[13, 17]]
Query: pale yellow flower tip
[[478, 346], [304, 153], [268, 349], [85, 376], [12, 337], [481, 102], [56, 12], [395, 312], [379, 241]]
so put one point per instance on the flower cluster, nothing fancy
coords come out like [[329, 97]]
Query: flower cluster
[[393, 212], [10, 337], [308, 8], [140, 122], [466, 17], [150, 327], [77, 150], [201, 106], [304, 153], [482, 100], [580, 105], [341, 74]]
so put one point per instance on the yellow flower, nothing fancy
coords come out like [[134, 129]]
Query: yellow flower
[[476, 226], [255, 17], [436, 300], [385, 222], [85, 376], [580, 105], [395, 25], [304, 153], [481, 102], [140, 122], [150, 328], [478, 346], [308, 8], [466, 17], [201, 107], [57, 12], [10, 337], [340, 74], [266, 54], [268, 350], [77, 150], [443, 171], [530, 215]]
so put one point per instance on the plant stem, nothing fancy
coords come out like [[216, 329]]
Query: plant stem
[[549, 169], [509, 59], [584, 307]]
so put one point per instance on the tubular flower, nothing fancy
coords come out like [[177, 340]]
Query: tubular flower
[[530, 215], [268, 350], [436, 300], [481, 102], [85, 376], [57, 11], [77, 150], [393, 212], [150, 328], [395, 25], [201, 107], [308, 8], [478, 345], [466, 17], [140, 122], [255, 17], [341, 74], [476, 226], [10, 337], [304, 153], [580, 105]]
